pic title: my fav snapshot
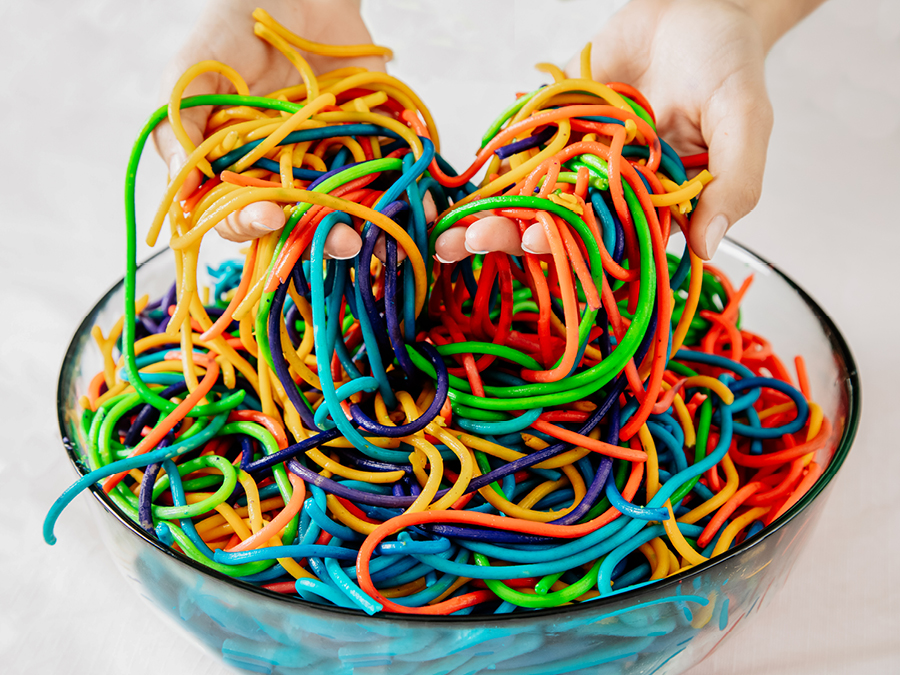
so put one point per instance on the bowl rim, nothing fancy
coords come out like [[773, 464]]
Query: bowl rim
[[835, 337]]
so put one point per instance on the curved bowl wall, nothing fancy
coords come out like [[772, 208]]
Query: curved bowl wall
[[664, 627]]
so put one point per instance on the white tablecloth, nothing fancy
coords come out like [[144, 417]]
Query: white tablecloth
[[78, 80]]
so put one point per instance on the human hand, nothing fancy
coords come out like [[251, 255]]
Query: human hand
[[225, 33], [701, 65]]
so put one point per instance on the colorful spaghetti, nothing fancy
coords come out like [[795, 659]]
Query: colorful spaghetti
[[396, 433]]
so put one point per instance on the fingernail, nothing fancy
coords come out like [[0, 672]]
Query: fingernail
[[715, 231], [174, 167], [176, 161], [262, 226]]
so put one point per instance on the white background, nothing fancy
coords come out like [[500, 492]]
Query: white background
[[77, 81]]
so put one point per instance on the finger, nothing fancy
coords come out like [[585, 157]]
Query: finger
[[191, 181], [534, 240], [450, 247], [493, 233], [194, 122], [381, 250], [175, 156], [342, 243], [251, 222], [175, 160], [736, 126], [429, 207]]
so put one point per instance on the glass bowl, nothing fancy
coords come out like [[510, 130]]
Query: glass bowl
[[665, 627]]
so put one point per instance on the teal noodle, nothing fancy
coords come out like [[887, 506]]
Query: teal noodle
[[122, 465]]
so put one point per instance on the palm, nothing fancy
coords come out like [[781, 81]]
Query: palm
[[229, 38], [226, 34]]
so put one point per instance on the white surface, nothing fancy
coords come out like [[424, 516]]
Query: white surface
[[79, 79]]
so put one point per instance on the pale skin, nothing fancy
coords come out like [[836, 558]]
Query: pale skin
[[225, 33], [699, 62]]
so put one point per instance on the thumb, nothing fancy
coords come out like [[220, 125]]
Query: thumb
[[192, 119], [736, 127]]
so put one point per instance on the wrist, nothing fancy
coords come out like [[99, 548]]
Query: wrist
[[774, 18]]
